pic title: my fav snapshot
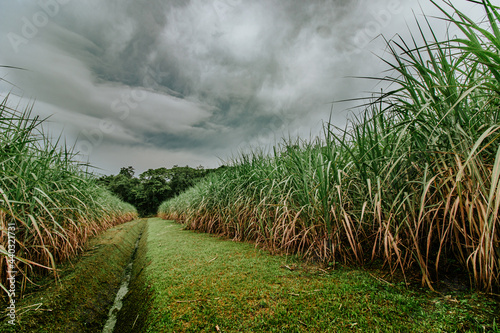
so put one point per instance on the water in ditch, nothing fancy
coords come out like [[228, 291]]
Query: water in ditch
[[124, 288]]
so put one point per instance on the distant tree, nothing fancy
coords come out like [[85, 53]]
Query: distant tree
[[124, 187], [153, 190], [183, 178], [127, 172]]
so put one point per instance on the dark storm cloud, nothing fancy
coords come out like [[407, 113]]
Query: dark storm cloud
[[192, 80], [126, 32]]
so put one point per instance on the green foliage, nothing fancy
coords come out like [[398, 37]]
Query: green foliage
[[414, 181], [153, 186]]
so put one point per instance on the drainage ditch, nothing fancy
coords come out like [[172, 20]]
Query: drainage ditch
[[137, 303], [102, 288], [109, 327]]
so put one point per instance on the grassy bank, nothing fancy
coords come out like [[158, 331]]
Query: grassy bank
[[412, 183], [199, 283], [49, 205], [80, 301]]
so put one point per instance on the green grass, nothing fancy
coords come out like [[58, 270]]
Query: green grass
[[199, 282], [81, 299], [413, 182]]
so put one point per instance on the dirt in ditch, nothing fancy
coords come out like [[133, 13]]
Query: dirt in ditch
[[81, 300]]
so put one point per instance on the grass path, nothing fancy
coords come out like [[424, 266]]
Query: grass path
[[200, 283], [184, 281]]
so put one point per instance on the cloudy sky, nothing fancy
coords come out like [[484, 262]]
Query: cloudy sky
[[151, 83]]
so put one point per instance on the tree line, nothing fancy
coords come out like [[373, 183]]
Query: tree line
[[147, 191]]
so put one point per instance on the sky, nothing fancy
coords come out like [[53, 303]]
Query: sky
[[157, 83]]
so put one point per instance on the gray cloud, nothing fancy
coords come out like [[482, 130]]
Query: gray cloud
[[191, 81]]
